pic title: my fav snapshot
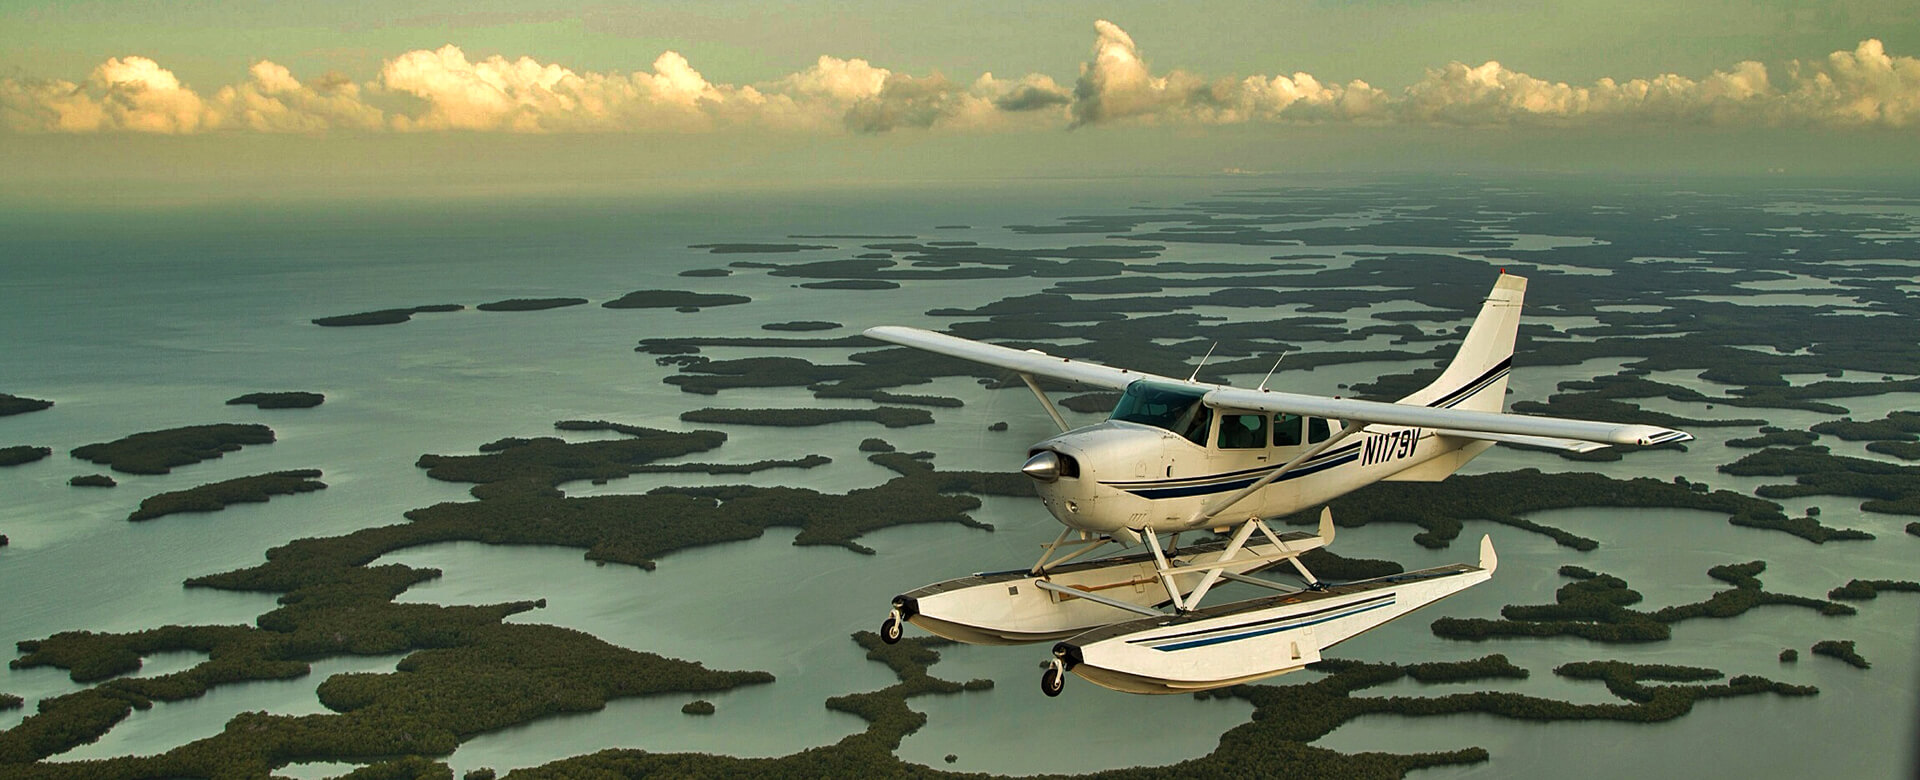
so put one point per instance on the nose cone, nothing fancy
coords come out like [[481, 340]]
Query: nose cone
[[1043, 466]]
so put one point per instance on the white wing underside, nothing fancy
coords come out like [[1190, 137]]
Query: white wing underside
[[1551, 432]]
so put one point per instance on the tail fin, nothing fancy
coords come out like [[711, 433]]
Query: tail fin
[[1476, 380]]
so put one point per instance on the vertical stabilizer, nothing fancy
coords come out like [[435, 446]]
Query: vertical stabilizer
[[1476, 380]]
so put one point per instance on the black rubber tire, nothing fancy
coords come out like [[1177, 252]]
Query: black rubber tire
[[1052, 682], [890, 631]]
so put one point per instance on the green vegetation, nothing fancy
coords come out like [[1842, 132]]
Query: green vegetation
[[521, 503], [1805, 527], [9, 701], [698, 707], [1789, 656], [92, 480], [854, 236], [1889, 488], [1897, 426], [216, 496], [1775, 437], [804, 462], [1913, 529], [409, 768], [1091, 403], [801, 325], [1843, 650], [884, 397], [157, 452], [289, 400], [14, 404], [1605, 399], [706, 273], [530, 304], [889, 416], [1624, 679], [384, 316], [673, 299], [875, 445], [1863, 590], [991, 483], [1490, 667], [1904, 450], [1275, 742], [335, 604], [1595, 608], [744, 248], [1328, 564], [469, 672], [15, 456], [1439, 508], [851, 284]]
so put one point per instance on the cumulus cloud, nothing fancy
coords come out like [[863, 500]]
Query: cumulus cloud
[[1116, 85], [273, 101], [444, 89]]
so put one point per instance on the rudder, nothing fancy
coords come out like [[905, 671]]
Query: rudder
[[1476, 380]]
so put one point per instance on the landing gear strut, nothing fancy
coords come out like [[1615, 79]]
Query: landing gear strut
[[890, 629], [1054, 679]]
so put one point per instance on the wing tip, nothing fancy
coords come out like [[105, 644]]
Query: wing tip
[[1664, 436]]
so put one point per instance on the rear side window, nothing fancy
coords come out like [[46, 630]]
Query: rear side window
[[1286, 430], [1317, 431], [1242, 431]]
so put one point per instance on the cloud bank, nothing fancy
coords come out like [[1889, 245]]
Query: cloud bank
[[445, 90]]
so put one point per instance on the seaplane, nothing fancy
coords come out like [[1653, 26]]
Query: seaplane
[[1186, 457]]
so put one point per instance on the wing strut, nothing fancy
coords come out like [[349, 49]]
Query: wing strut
[[1044, 401]]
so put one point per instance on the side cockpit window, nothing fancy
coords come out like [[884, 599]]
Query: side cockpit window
[[1242, 431], [1287, 430], [1317, 430], [1196, 429]]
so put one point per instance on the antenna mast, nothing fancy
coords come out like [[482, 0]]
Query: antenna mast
[[1203, 362], [1276, 367]]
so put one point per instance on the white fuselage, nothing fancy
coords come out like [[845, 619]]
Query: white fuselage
[[1134, 476]]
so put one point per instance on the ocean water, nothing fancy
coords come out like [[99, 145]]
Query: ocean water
[[135, 321]]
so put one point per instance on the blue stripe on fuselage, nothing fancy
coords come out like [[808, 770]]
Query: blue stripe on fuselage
[[1221, 487]]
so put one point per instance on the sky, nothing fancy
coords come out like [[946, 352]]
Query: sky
[[181, 101]]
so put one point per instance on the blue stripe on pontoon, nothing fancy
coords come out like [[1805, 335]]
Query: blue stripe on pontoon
[[1282, 618], [1270, 629]]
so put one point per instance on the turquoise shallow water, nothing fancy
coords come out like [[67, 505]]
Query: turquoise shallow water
[[140, 321]]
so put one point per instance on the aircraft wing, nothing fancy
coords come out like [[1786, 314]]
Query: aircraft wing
[[1490, 426], [1493, 426], [1024, 361], [1547, 442]]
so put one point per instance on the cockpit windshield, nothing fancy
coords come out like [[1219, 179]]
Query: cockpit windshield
[[1172, 407]]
